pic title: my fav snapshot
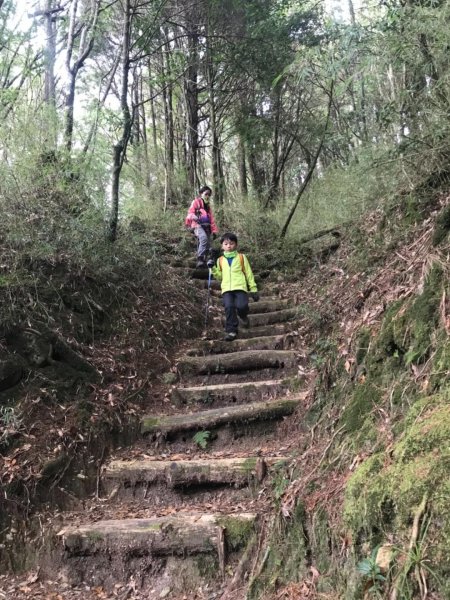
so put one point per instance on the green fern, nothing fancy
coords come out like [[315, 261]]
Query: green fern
[[201, 438]]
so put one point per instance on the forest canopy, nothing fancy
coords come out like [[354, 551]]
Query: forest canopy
[[132, 105]]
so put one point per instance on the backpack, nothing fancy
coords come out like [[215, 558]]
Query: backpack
[[201, 220], [241, 260]]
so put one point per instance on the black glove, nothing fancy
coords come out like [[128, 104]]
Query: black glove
[[255, 296], [210, 264], [214, 236]]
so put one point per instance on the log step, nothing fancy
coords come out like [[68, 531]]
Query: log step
[[209, 419], [160, 536], [265, 330], [273, 342], [203, 284], [278, 316], [235, 362], [184, 473], [265, 305], [228, 392], [194, 273]]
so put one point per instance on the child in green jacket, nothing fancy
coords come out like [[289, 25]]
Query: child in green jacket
[[237, 282]]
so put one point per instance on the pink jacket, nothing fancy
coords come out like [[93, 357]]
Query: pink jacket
[[197, 215]]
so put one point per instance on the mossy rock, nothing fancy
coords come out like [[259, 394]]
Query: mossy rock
[[386, 344], [442, 227], [54, 467], [365, 397], [440, 368], [382, 496], [286, 555], [237, 532], [420, 320], [408, 326], [362, 344], [319, 534]]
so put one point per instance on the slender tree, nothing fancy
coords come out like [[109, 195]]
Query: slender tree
[[120, 147]]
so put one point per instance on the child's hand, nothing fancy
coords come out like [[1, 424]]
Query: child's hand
[[255, 296]]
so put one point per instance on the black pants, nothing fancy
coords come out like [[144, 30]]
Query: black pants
[[235, 303]]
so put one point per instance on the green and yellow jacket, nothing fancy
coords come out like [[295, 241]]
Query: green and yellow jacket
[[235, 276]]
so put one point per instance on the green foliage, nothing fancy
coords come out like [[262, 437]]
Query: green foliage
[[414, 566], [202, 438], [10, 422], [371, 572], [48, 217], [280, 482]]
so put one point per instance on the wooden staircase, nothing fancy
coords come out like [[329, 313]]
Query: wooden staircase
[[176, 521]]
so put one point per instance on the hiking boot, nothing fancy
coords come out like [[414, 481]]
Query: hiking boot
[[245, 322], [200, 264], [230, 336]]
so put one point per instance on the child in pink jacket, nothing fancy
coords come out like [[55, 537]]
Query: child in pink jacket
[[201, 220]]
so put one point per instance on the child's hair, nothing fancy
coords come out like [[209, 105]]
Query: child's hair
[[229, 236], [205, 188]]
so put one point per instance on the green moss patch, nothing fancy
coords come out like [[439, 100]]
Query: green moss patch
[[359, 409], [237, 531], [383, 494], [442, 227]]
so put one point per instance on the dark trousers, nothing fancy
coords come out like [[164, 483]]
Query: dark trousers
[[235, 303]]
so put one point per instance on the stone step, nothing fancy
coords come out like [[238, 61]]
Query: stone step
[[209, 419], [273, 342], [230, 393], [235, 362], [180, 534], [187, 473]]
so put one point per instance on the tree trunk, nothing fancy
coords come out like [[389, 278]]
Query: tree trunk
[[119, 149], [50, 54], [191, 100], [101, 102], [168, 120], [242, 167], [85, 32], [313, 166]]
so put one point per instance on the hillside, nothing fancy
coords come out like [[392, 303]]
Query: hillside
[[362, 509]]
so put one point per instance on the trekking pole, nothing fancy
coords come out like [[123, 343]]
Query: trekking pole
[[207, 297]]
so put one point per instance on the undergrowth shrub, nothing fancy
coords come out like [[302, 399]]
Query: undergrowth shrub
[[47, 216]]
